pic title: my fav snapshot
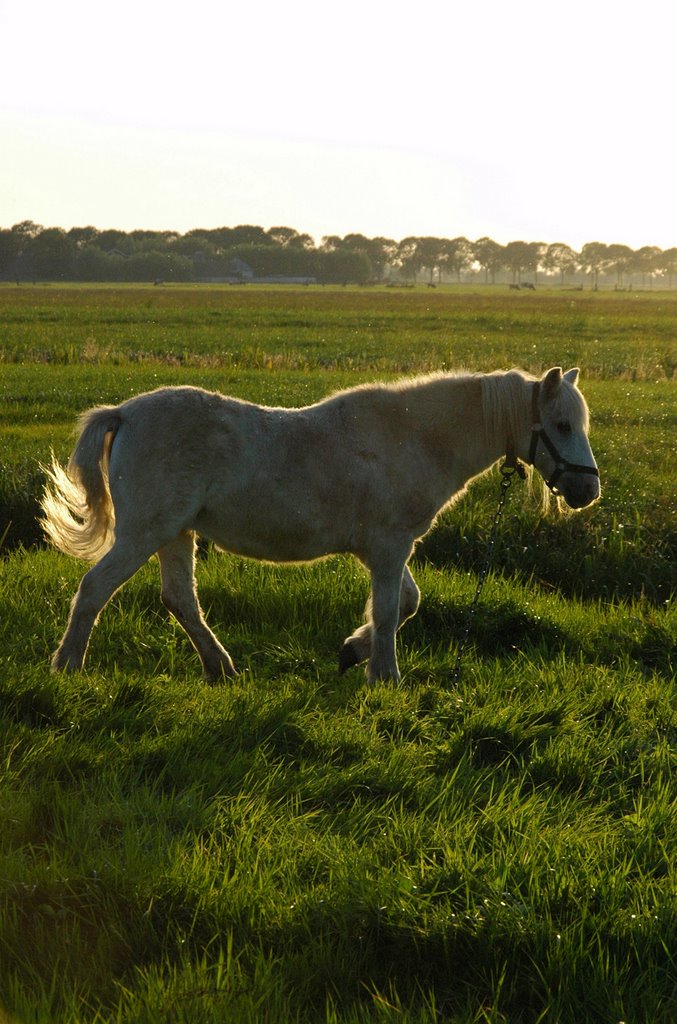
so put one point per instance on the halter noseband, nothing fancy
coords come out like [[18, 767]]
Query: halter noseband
[[538, 433]]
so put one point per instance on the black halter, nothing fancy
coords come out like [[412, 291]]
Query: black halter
[[538, 433]]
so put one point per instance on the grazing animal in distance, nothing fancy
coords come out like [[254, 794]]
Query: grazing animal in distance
[[362, 472]]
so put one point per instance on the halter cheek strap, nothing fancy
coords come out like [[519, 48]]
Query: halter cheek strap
[[539, 434]]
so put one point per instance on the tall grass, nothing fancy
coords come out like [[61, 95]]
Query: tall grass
[[380, 330], [297, 845]]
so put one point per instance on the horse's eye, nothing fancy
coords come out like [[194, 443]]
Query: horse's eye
[[564, 427]]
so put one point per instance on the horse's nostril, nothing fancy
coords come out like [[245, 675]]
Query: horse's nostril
[[579, 492]]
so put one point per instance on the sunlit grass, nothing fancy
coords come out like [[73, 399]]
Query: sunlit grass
[[296, 845], [296, 841], [337, 329]]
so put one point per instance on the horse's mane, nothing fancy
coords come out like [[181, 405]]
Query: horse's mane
[[506, 403], [507, 411]]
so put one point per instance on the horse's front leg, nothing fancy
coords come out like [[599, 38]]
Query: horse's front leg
[[386, 585], [357, 647]]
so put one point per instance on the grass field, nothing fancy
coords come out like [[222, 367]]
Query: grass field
[[298, 846]]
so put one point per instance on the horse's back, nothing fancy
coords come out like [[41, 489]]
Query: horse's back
[[169, 445]]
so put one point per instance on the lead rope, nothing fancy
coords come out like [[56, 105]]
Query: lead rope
[[507, 475]]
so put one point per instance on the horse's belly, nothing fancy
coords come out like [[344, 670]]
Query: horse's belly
[[269, 539]]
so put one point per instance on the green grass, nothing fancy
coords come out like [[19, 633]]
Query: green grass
[[296, 846], [333, 329]]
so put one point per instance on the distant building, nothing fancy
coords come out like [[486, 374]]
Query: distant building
[[240, 270], [283, 279], [237, 271]]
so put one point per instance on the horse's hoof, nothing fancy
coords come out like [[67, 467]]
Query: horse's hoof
[[348, 657], [220, 670], [62, 662]]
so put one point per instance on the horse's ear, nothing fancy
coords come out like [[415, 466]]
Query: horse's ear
[[551, 381], [572, 375]]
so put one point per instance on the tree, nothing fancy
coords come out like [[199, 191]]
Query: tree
[[289, 237], [431, 253], [593, 260], [153, 266], [243, 234], [456, 255], [646, 261], [490, 256], [522, 256], [10, 248], [27, 229], [49, 255], [87, 253], [415, 254], [407, 260], [619, 259], [111, 239], [559, 257], [536, 251], [152, 241], [81, 237], [667, 263], [93, 264], [340, 265], [192, 243], [381, 252]]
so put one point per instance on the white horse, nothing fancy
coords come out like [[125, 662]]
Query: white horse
[[365, 471]]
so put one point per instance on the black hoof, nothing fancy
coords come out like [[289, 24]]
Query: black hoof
[[219, 671], [347, 657]]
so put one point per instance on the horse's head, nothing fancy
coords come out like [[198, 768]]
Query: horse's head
[[560, 449]]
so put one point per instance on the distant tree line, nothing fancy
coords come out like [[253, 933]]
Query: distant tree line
[[30, 252]]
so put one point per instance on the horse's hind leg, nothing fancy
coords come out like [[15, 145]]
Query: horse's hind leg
[[95, 590], [357, 648], [179, 596]]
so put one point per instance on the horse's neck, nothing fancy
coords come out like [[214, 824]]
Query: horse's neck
[[475, 439], [446, 413]]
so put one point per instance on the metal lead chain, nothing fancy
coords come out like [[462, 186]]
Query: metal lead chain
[[507, 474]]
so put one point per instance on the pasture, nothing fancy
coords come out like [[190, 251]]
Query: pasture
[[296, 845]]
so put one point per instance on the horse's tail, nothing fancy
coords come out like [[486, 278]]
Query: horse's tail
[[78, 515]]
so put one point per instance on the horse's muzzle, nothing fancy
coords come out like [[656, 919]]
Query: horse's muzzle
[[577, 489]]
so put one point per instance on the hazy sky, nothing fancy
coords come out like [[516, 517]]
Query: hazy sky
[[535, 120]]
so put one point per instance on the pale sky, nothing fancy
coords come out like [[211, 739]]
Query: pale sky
[[533, 120]]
